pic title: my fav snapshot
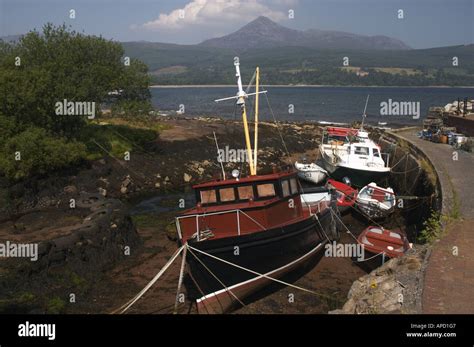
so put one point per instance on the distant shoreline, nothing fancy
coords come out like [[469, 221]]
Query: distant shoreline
[[156, 86]]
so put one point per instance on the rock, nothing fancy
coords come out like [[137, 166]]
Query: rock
[[380, 291], [103, 192], [105, 181], [187, 178], [157, 185], [167, 179], [70, 189], [200, 171], [124, 188], [126, 182]]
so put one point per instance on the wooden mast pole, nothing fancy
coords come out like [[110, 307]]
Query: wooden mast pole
[[255, 144], [241, 101]]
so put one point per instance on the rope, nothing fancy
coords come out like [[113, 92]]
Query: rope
[[349, 232], [361, 261], [406, 171], [141, 176], [347, 229], [398, 162], [262, 275], [278, 127], [223, 285], [130, 303], [180, 281]]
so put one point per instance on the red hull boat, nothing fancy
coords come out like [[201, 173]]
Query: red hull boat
[[387, 243], [346, 195]]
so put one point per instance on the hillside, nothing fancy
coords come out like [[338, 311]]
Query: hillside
[[198, 64], [264, 33]]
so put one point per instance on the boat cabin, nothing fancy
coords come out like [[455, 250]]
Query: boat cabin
[[338, 135], [234, 207]]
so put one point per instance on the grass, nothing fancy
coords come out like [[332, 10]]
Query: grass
[[398, 71], [162, 222], [430, 172], [116, 139], [55, 305]]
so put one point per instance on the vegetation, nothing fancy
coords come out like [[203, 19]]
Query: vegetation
[[43, 69], [114, 139], [194, 64], [56, 305], [432, 228]]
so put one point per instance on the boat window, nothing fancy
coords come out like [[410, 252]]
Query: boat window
[[245, 192], [294, 186], [395, 235], [285, 186], [361, 150], [208, 196], [266, 190], [376, 152], [227, 194]]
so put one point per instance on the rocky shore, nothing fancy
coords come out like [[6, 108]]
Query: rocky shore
[[96, 246], [394, 287], [80, 217]]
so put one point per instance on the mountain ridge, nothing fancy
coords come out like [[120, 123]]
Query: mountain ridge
[[265, 33]]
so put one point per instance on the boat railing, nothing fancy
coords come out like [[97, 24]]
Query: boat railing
[[316, 204], [197, 216]]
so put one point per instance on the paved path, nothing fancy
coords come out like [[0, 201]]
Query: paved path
[[449, 278]]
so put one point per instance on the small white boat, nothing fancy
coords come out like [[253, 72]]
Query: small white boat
[[376, 202], [311, 172]]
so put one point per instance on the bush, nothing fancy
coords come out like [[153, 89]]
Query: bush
[[432, 228], [38, 152]]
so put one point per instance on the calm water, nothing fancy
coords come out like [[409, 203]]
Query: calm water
[[332, 104]]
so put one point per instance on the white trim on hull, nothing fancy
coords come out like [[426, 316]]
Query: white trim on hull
[[221, 300]]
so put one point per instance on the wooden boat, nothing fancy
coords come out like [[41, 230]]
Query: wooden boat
[[246, 231], [346, 195], [383, 242], [311, 172], [376, 202]]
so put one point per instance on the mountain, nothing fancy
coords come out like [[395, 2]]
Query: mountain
[[10, 38], [264, 33]]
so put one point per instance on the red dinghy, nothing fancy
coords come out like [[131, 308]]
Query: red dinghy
[[346, 195], [378, 240]]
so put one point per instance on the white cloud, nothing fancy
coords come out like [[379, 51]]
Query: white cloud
[[214, 13]]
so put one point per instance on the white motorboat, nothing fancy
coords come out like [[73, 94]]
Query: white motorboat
[[350, 153], [311, 172], [376, 202]]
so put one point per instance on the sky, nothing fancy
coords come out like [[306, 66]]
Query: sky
[[426, 23]]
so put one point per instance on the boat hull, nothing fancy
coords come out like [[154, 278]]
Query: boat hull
[[358, 178], [271, 253], [372, 211], [315, 177]]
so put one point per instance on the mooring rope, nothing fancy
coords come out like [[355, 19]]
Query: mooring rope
[[131, 302], [217, 278], [261, 275], [349, 232], [180, 281]]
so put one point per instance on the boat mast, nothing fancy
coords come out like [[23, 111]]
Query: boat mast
[[364, 115], [241, 96], [241, 101], [255, 143]]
